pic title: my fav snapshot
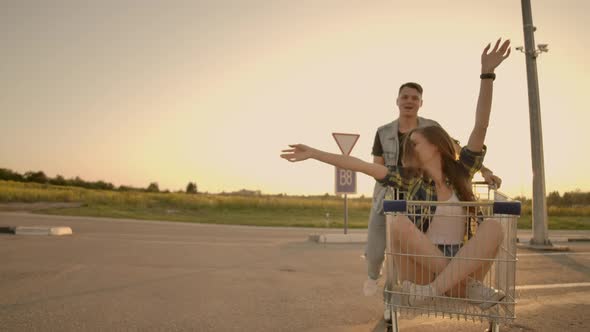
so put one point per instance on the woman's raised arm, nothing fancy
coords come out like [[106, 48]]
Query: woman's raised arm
[[489, 62]]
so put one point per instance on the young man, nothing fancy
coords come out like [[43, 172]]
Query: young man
[[387, 151]]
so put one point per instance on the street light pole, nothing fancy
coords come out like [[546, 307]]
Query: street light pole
[[540, 231]]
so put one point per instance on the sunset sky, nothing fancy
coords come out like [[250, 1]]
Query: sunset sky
[[133, 92]]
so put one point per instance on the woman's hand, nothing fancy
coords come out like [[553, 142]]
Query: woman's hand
[[489, 61], [298, 152], [491, 179]]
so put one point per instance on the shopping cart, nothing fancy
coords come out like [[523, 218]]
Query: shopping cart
[[495, 273]]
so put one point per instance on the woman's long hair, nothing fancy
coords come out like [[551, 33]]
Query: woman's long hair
[[451, 167]]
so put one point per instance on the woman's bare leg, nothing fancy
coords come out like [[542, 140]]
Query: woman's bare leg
[[411, 270], [484, 245], [425, 258]]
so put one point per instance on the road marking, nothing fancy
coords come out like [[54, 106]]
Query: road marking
[[550, 286], [554, 254]]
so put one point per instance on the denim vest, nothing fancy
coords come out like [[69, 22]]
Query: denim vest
[[390, 143]]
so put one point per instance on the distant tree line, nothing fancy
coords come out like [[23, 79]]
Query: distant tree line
[[569, 198], [42, 178]]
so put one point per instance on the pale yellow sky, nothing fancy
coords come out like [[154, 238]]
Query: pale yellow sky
[[132, 92]]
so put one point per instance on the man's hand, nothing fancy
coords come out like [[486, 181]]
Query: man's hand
[[298, 152], [489, 61]]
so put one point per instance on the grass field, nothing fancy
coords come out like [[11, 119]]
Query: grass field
[[288, 211]]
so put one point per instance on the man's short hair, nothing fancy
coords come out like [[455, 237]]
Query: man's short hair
[[411, 85]]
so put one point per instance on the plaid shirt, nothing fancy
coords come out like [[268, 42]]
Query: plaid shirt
[[423, 189]]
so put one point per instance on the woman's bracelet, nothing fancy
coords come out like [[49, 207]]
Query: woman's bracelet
[[488, 76]]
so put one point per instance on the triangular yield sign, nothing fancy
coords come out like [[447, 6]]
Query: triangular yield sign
[[345, 141]]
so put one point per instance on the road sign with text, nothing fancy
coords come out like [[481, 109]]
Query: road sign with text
[[345, 181]]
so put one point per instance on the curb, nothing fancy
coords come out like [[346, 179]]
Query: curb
[[362, 238], [338, 238], [579, 239], [42, 230], [548, 247]]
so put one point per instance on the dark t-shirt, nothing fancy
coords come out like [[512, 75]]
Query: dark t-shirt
[[378, 152], [378, 147]]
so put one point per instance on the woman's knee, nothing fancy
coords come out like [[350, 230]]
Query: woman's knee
[[492, 229], [402, 231], [402, 225]]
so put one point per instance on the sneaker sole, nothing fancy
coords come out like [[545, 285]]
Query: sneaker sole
[[492, 302]]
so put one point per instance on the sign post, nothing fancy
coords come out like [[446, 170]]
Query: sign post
[[345, 179]]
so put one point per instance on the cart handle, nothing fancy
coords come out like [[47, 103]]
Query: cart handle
[[510, 208], [490, 186]]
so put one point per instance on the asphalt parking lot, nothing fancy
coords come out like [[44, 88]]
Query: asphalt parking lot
[[126, 275]]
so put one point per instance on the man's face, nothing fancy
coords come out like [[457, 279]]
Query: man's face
[[409, 101]]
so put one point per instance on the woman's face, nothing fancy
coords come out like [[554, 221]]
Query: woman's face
[[424, 150]]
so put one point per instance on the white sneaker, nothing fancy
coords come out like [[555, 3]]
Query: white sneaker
[[370, 287], [483, 296], [416, 295]]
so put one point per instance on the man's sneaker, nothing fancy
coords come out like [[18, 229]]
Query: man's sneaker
[[370, 287], [483, 296]]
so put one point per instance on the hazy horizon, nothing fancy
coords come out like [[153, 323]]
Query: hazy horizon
[[210, 92]]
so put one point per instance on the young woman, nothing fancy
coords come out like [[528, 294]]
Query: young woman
[[432, 172]]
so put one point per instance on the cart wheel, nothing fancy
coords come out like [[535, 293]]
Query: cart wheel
[[391, 323], [388, 326]]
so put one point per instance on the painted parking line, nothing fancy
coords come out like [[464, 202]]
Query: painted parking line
[[552, 286], [555, 254]]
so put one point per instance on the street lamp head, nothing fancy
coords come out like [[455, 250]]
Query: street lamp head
[[519, 48], [543, 47]]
